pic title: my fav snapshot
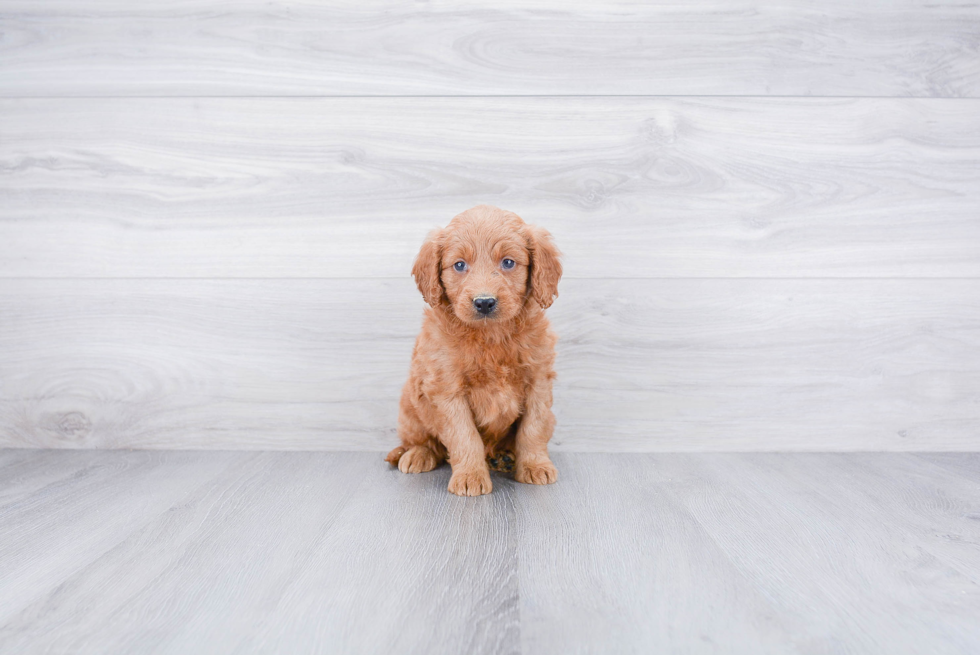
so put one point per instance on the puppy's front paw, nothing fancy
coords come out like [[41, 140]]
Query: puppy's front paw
[[470, 483], [543, 472], [417, 459]]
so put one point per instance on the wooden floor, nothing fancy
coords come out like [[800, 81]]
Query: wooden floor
[[236, 552]]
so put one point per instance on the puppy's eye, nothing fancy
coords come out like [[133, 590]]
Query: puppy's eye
[[508, 264], [460, 266]]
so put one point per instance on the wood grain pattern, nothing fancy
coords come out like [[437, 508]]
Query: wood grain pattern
[[805, 553], [208, 210], [348, 187], [406, 567], [652, 365], [967, 465], [252, 47], [45, 538], [338, 553], [288, 552], [610, 563], [25, 471], [836, 564]]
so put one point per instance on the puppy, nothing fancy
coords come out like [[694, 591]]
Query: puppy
[[483, 364]]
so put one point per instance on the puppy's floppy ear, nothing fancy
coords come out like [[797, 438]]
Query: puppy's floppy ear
[[545, 266], [428, 268]]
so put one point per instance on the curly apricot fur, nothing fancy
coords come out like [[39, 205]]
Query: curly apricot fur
[[481, 383]]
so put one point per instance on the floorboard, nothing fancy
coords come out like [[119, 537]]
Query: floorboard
[[609, 562], [349, 187], [217, 552], [47, 539], [509, 47], [652, 365], [846, 575], [966, 464]]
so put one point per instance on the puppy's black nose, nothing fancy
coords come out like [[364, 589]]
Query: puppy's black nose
[[484, 305]]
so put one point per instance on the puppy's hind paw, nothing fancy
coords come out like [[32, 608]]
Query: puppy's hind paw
[[470, 483], [536, 472], [395, 455], [417, 459]]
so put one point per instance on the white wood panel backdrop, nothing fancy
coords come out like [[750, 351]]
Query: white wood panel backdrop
[[643, 364], [509, 47], [194, 271], [631, 187]]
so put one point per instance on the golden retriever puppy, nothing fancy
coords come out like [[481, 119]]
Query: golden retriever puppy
[[483, 364]]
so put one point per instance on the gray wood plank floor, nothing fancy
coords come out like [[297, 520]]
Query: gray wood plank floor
[[221, 552], [349, 187], [652, 365], [504, 47]]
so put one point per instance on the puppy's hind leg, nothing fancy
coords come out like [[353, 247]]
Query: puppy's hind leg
[[419, 452], [395, 455]]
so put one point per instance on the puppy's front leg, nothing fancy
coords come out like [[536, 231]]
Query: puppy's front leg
[[471, 476], [537, 425]]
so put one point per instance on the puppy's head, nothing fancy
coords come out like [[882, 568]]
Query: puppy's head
[[486, 265]]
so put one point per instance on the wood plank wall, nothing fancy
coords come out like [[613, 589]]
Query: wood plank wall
[[770, 214]]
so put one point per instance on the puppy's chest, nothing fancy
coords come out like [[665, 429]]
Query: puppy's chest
[[495, 386]]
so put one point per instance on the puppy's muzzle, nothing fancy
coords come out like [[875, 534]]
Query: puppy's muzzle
[[485, 304]]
